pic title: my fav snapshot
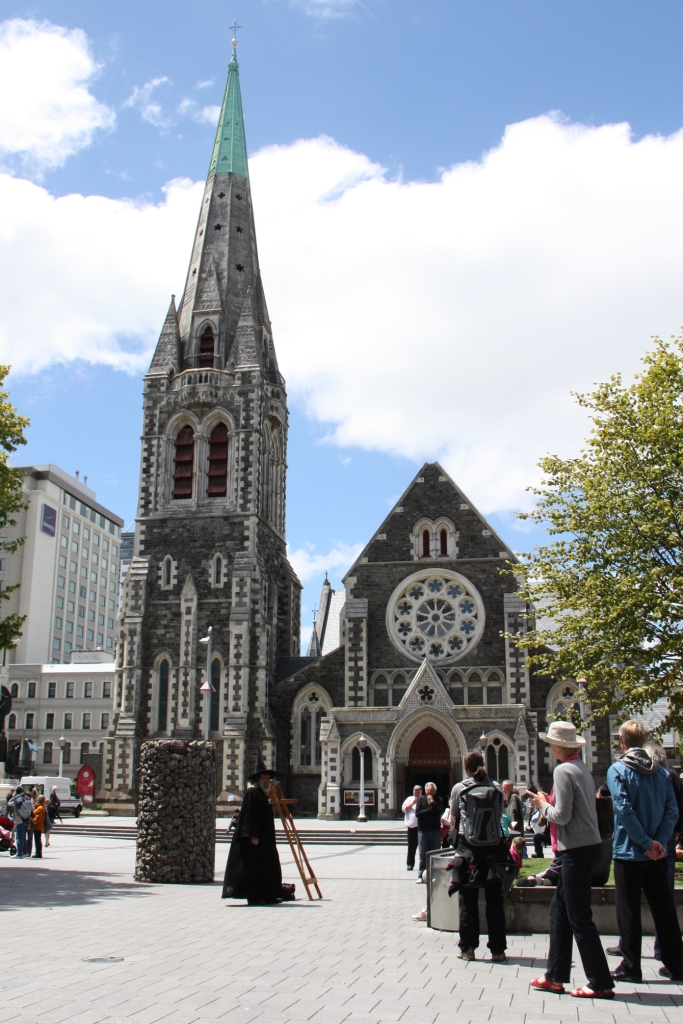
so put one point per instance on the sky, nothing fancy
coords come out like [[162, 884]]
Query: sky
[[465, 213]]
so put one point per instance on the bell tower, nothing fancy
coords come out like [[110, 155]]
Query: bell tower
[[210, 528]]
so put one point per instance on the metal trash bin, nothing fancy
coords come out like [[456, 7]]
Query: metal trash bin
[[443, 911]]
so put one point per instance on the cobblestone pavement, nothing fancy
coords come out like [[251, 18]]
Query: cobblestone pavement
[[189, 956]]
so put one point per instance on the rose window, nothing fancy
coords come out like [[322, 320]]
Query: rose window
[[440, 616]]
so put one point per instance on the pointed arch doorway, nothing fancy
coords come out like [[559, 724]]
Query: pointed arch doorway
[[429, 760]]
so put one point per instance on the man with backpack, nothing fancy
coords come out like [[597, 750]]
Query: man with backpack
[[476, 809], [22, 809]]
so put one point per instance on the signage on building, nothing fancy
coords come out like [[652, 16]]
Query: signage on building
[[352, 798], [91, 658], [49, 523]]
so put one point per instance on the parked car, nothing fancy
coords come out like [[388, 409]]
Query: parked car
[[70, 801]]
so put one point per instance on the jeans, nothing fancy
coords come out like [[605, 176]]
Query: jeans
[[412, 847], [495, 918], [630, 876], [571, 918], [21, 832], [427, 841]]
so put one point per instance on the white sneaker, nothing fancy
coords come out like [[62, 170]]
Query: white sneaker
[[422, 916], [419, 880]]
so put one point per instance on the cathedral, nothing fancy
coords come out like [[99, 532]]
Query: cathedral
[[408, 667]]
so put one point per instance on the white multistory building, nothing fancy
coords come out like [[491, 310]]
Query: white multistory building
[[73, 702], [67, 569]]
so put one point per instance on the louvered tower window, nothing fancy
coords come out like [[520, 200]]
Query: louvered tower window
[[217, 486], [184, 458], [206, 348]]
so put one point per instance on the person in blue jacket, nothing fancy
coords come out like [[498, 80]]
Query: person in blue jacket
[[645, 814]]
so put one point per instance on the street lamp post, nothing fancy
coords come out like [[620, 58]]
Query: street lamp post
[[62, 744], [362, 744], [208, 688]]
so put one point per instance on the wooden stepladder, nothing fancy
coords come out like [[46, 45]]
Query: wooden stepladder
[[294, 839]]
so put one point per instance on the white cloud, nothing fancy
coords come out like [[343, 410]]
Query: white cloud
[[451, 319], [86, 277], [325, 8], [46, 110], [203, 115], [307, 564], [441, 320], [143, 99]]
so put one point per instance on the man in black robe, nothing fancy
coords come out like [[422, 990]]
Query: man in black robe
[[253, 871]]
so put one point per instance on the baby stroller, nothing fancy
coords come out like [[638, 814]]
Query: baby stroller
[[6, 837]]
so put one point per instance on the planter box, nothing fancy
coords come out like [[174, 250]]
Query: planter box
[[527, 910]]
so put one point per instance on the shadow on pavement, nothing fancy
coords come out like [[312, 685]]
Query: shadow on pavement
[[650, 998], [43, 887]]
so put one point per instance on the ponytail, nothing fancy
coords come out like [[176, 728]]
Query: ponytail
[[474, 764]]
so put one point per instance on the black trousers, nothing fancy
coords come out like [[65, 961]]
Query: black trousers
[[412, 847], [571, 918], [37, 840], [495, 918], [630, 877], [538, 843]]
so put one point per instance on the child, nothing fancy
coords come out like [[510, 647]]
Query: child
[[37, 826], [517, 849]]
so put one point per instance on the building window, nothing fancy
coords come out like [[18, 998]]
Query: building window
[[91, 635], [306, 731], [50, 720], [31, 691], [69, 626], [85, 749], [104, 724], [217, 483], [12, 723], [215, 697], [51, 690], [68, 720], [87, 692], [56, 643], [60, 582], [355, 765], [218, 570], [168, 571], [443, 543], [66, 756], [14, 691], [106, 689], [100, 639], [30, 718], [497, 761], [47, 753], [381, 693], [59, 601], [87, 718], [184, 459], [162, 713], [425, 544], [79, 632], [70, 687], [310, 721], [206, 348]]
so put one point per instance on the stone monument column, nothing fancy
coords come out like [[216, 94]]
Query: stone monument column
[[176, 812]]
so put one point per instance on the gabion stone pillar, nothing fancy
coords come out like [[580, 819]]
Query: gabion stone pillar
[[176, 812]]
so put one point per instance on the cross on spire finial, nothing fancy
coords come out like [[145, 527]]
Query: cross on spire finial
[[234, 27]]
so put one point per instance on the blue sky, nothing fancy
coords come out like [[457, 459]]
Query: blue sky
[[404, 94]]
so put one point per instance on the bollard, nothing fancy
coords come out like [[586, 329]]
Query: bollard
[[176, 812]]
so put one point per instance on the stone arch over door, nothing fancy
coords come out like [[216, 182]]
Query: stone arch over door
[[407, 732]]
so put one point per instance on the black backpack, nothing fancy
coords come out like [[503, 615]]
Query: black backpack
[[483, 810]]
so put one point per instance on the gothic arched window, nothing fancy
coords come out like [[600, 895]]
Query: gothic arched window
[[443, 542], [217, 483], [497, 761], [184, 460], [206, 348], [425, 544], [162, 702], [216, 696], [319, 715], [305, 734]]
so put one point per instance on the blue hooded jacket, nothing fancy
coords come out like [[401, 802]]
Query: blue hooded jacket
[[645, 808]]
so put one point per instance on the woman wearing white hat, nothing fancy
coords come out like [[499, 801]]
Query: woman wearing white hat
[[572, 812]]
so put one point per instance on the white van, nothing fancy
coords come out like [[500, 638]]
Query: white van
[[70, 801]]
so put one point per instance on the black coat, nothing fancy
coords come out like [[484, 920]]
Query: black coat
[[253, 872]]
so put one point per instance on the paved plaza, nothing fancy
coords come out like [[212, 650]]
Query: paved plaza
[[189, 956]]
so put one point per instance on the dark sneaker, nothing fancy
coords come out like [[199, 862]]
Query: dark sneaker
[[614, 951], [622, 973], [466, 954], [666, 973]]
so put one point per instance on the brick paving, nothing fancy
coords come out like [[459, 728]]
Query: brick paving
[[189, 956]]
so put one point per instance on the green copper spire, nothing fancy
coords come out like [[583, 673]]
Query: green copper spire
[[230, 148]]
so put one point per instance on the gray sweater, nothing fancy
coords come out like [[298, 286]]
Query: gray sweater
[[574, 811]]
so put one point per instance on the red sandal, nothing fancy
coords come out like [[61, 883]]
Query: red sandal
[[546, 985], [588, 993]]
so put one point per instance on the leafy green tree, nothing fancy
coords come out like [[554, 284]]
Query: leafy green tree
[[611, 580], [12, 428]]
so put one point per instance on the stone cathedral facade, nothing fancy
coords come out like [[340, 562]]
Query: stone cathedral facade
[[210, 536], [410, 661]]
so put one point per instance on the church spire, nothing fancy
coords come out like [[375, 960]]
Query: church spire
[[230, 147]]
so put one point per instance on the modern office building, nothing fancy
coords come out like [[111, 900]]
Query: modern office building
[[73, 701], [68, 569], [126, 552]]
